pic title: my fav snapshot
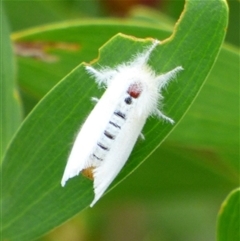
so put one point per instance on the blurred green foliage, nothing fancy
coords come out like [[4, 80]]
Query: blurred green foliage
[[174, 195]]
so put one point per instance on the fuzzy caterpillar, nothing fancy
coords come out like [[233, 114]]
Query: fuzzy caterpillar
[[107, 137]]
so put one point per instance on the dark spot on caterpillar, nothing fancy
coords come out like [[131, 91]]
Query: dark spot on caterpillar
[[128, 100], [134, 90], [120, 114], [109, 135], [114, 124], [102, 146], [100, 159], [88, 172]]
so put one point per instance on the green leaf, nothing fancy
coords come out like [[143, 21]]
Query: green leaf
[[229, 218], [35, 161], [52, 11], [10, 107], [212, 122], [215, 128], [61, 52]]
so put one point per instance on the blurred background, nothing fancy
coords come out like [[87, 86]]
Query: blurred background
[[27, 14], [172, 196]]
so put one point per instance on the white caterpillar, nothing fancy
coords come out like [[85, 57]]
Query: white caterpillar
[[111, 130]]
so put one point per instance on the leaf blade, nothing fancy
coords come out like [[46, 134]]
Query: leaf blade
[[228, 218], [41, 142], [10, 107]]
